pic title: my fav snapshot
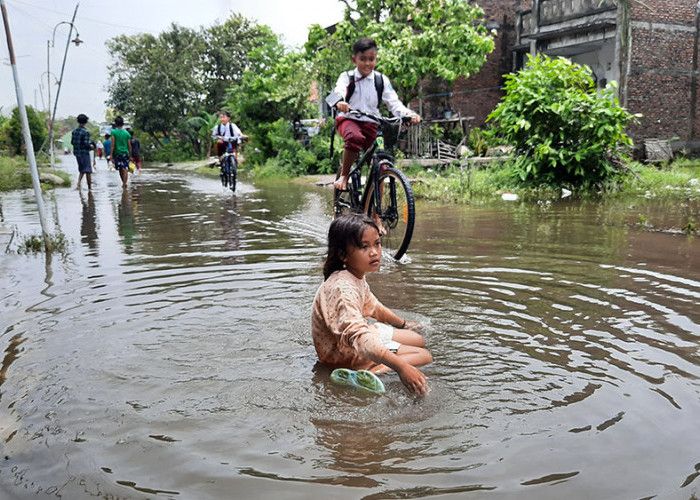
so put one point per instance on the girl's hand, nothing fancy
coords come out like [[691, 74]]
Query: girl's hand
[[413, 325], [415, 118], [343, 107], [414, 380]]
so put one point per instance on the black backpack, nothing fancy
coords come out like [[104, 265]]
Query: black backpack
[[378, 84], [230, 129]]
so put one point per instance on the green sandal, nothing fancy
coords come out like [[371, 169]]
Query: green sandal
[[360, 379]]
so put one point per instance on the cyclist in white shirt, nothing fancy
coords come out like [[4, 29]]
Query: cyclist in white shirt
[[359, 132], [226, 131]]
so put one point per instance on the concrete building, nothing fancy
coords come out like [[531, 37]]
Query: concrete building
[[649, 47]]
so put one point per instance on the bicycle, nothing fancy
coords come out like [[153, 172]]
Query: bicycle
[[229, 165], [387, 195]]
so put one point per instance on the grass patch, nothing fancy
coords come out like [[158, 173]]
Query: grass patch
[[462, 185], [208, 171], [14, 174], [35, 244], [271, 169]]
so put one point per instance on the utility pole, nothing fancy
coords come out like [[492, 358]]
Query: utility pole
[[29, 146], [77, 42]]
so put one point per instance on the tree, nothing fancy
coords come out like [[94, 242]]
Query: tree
[[416, 38], [228, 54], [157, 80], [273, 88], [163, 80], [37, 128], [199, 130], [563, 130]]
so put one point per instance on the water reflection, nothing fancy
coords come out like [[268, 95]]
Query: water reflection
[[88, 227], [127, 209], [180, 363], [231, 231]]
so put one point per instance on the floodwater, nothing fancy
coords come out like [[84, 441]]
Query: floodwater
[[168, 354]]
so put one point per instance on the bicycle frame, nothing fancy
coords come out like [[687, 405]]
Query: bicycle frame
[[370, 157]]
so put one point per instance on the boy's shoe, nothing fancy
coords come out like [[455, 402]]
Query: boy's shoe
[[360, 379]]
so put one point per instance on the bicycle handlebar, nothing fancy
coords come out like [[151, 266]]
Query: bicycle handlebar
[[240, 138], [377, 118]]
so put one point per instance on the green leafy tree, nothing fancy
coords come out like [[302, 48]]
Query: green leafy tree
[[199, 129], [563, 130], [37, 128], [274, 88], [229, 51], [162, 81], [157, 80], [416, 38]]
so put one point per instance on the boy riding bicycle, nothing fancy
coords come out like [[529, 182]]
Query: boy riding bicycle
[[226, 132], [362, 88]]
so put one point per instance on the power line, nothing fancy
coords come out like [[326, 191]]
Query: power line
[[81, 18]]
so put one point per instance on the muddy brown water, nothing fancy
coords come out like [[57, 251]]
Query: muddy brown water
[[168, 354]]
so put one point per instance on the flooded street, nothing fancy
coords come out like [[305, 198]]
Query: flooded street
[[168, 354]]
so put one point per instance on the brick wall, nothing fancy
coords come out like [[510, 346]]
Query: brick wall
[[658, 85], [661, 65], [664, 101], [663, 11], [479, 94]]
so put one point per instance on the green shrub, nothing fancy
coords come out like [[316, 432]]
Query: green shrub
[[37, 129], [173, 151], [14, 174], [563, 131], [293, 157], [478, 142], [35, 244]]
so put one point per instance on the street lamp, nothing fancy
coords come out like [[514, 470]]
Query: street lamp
[[49, 44]]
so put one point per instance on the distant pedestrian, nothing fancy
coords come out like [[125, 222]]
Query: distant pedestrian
[[100, 149], [121, 149], [108, 147], [93, 155], [135, 149], [80, 139]]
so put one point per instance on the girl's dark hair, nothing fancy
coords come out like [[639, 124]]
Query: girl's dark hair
[[346, 230], [363, 44]]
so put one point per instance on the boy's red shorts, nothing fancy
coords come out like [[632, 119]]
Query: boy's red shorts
[[221, 147], [358, 136]]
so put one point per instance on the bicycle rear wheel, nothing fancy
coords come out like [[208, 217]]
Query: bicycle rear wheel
[[233, 173], [397, 208]]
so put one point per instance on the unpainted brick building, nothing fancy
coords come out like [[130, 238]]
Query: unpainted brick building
[[649, 47]]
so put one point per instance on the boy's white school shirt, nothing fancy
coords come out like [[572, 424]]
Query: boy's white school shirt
[[226, 130], [364, 98]]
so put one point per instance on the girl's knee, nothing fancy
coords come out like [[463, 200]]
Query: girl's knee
[[408, 337]]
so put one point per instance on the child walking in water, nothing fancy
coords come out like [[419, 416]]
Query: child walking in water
[[342, 336]]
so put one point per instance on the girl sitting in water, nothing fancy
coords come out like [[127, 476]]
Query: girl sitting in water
[[342, 336]]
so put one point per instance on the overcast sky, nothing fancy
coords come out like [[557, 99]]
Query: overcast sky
[[32, 23]]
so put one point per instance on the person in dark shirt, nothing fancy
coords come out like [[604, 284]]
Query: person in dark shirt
[[80, 139], [135, 149]]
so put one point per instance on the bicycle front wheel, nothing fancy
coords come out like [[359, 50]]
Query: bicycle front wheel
[[397, 209], [233, 173]]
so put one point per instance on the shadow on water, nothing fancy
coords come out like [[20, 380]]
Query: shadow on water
[[169, 356]]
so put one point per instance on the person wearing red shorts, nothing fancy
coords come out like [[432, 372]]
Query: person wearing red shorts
[[359, 132], [226, 132]]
